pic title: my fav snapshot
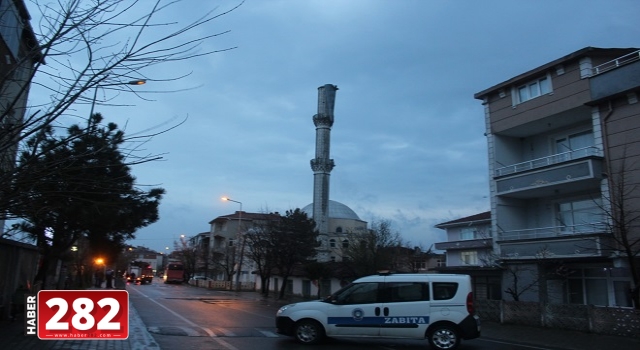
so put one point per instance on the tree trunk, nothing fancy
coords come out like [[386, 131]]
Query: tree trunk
[[264, 285], [283, 288]]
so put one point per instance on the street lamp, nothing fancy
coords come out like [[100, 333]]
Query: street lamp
[[240, 239], [95, 92], [100, 261]]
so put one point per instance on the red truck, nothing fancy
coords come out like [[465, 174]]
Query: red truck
[[174, 272], [140, 273]]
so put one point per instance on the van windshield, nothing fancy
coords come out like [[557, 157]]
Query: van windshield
[[357, 293], [333, 297]]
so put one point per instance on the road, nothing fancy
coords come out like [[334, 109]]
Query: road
[[185, 317]]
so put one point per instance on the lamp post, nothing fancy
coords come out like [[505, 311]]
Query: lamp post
[[95, 92], [100, 261], [240, 240]]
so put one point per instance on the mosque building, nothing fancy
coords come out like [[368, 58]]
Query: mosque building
[[334, 220]]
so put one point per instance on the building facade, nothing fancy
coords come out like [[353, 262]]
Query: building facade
[[227, 244], [342, 222], [564, 150], [469, 250], [20, 52]]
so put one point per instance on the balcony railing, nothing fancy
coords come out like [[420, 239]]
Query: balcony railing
[[554, 231], [620, 61], [549, 160]]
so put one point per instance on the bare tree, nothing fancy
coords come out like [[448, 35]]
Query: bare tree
[[224, 260], [621, 209], [260, 251], [188, 254], [374, 250], [88, 52], [530, 276], [317, 272], [521, 279]]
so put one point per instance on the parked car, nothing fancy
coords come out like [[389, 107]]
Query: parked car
[[438, 307]]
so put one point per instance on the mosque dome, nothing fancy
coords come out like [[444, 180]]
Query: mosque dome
[[337, 210]]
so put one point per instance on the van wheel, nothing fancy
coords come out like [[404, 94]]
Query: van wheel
[[443, 337], [309, 332]]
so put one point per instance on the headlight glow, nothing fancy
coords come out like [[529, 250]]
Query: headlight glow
[[284, 308]]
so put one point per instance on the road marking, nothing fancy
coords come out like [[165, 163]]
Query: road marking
[[209, 332], [191, 332], [220, 341], [511, 343], [268, 334], [226, 333]]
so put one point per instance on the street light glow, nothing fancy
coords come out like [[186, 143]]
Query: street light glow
[[231, 200]]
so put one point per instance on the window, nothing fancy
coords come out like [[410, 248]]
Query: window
[[231, 242], [441, 263], [345, 243], [407, 291], [332, 243], [360, 293], [468, 233], [469, 257], [487, 287], [599, 286], [339, 229], [579, 216], [444, 290], [10, 27], [534, 89], [572, 142], [420, 265]]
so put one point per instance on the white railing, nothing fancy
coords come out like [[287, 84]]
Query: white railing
[[554, 231], [223, 285], [549, 160], [628, 58]]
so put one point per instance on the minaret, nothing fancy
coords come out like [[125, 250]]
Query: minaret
[[322, 164]]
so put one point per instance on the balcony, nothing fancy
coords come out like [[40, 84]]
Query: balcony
[[549, 160], [569, 172], [618, 62], [616, 77], [578, 241], [482, 243], [554, 231]]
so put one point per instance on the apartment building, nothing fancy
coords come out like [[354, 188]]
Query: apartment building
[[564, 151], [20, 52], [469, 250], [228, 245]]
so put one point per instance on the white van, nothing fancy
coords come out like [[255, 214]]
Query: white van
[[438, 307]]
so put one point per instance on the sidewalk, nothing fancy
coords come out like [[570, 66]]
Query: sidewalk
[[554, 338], [12, 337]]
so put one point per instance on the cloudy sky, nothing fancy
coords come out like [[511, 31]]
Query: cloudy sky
[[407, 140]]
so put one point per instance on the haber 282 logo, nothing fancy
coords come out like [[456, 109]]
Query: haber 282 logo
[[81, 314]]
